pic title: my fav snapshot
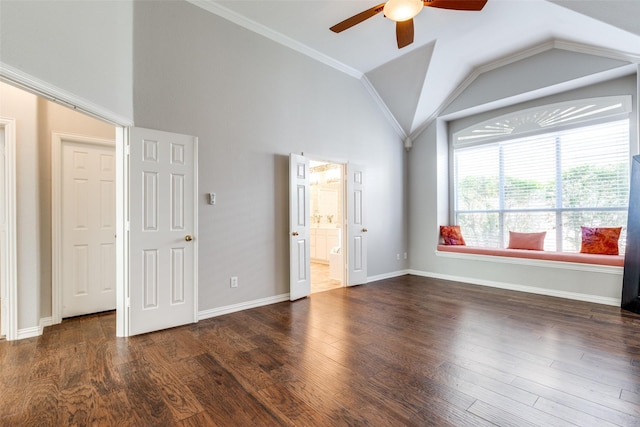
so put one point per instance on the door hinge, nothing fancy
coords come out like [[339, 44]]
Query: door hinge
[[127, 150], [127, 226], [128, 302]]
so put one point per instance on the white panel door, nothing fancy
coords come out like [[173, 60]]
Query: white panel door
[[357, 231], [299, 228], [88, 228], [163, 225]]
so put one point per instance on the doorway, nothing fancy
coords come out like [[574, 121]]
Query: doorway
[[35, 118], [327, 207], [83, 230], [352, 248]]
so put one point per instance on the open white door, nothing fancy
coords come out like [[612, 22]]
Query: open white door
[[356, 230], [163, 230], [299, 229]]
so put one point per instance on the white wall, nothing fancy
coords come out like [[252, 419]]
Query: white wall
[[428, 181], [82, 47], [251, 102]]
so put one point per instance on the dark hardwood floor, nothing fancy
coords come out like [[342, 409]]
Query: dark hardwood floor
[[403, 351]]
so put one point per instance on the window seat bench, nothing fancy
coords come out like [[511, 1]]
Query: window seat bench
[[611, 260]]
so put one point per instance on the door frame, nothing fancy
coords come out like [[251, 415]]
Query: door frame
[[57, 141], [9, 253]]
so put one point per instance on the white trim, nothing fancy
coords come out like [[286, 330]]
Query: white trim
[[523, 54], [45, 321], [32, 84], [243, 21], [384, 276], [214, 312], [35, 331], [596, 50], [122, 231], [57, 141], [195, 230], [599, 109], [565, 265], [9, 279], [383, 107], [522, 288]]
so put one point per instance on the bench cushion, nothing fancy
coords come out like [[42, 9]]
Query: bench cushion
[[613, 260]]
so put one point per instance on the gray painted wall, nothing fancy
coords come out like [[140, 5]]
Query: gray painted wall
[[428, 176], [251, 102]]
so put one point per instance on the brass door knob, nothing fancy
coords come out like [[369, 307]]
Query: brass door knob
[[188, 237], [364, 230], [295, 233]]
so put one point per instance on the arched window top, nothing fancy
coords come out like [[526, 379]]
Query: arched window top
[[543, 119]]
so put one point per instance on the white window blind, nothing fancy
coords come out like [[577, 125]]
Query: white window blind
[[555, 181]]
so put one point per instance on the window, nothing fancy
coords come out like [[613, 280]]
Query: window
[[553, 169]]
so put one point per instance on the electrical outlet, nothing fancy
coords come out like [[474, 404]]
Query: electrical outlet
[[405, 255], [234, 281], [397, 257]]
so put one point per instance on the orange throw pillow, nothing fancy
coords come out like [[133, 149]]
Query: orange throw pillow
[[603, 240], [452, 235]]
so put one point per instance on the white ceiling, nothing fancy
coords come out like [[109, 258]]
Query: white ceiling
[[415, 82]]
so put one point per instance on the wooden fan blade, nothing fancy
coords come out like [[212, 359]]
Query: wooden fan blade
[[474, 5], [356, 19], [404, 33]]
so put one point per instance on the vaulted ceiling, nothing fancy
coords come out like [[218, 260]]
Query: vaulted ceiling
[[415, 83]]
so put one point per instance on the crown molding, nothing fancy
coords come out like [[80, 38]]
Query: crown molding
[[596, 50], [55, 94], [381, 104], [236, 18], [518, 56]]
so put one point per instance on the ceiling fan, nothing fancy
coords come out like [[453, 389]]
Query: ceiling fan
[[403, 11]]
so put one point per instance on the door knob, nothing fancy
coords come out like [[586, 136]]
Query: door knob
[[188, 237], [364, 230], [295, 233]]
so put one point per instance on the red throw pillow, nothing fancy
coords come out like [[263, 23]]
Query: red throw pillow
[[452, 235], [603, 240]]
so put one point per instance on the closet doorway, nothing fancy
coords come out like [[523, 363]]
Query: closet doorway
[[327, 208]]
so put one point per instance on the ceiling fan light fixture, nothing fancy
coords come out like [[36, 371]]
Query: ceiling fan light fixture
[[402, 10]]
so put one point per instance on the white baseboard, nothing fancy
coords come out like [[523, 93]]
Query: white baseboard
[[35, 331], [206, 314], [522, 288], [46, 321], [387, 275]]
